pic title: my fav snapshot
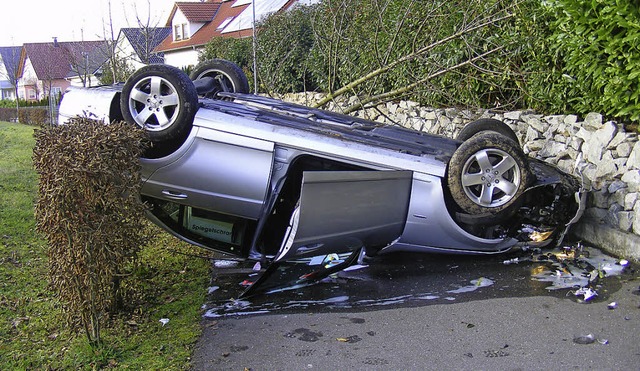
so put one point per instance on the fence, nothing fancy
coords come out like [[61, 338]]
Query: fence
[[40, 115]]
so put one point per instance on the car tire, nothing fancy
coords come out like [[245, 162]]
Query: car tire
[[487, 174], [483, 125], [228, 76], [162, 100]]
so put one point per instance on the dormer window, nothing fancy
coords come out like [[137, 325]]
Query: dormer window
[[180, 32], [224, 23]]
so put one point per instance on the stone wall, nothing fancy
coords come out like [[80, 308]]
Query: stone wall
[[602, 154]]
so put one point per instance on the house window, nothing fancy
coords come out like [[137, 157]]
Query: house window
[[55, 91], [185, 31], [224, 23], [180, 32], [31, 93]]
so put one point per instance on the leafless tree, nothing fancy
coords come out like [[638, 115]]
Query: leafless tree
[[85, 58], [11, 57], [147, 37]]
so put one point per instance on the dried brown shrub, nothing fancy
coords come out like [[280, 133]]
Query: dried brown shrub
[[90, 212]]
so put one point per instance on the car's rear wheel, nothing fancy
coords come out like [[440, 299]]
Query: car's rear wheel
[[487, 174], [486, 125], [228, 77], [162, 100]]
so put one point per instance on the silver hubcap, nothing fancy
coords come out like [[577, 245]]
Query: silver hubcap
[[491, 177], [154, 103]]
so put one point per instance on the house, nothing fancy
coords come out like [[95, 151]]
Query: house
[[9, 61], [194, 24], [50, 68], [136, 45]]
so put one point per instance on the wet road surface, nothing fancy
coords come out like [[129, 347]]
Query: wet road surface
[[528, 309]]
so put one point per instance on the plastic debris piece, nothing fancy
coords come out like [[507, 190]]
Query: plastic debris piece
[[511, 261], [603, 341], [164, 321], [212, 289], [586, 293], [351, 339], [224, 263], [584, 339], [612, 305], [624, 262], [257, 266], [246, 283]]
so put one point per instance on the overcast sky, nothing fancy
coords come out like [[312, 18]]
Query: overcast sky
[[27, 21]]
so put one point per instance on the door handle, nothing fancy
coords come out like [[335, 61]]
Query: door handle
[[174, 195]]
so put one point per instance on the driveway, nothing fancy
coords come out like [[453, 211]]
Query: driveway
[[431, 312]]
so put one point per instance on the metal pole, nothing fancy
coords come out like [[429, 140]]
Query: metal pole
[[255, 46]]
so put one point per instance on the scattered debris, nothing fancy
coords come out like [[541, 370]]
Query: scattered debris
[[584, 339], [612, 305], [212, 289], [589, 339], [623, 262], [164, 321], [257, 266], [475, 284], [225, 263], [586, 292], [351, 339], [511, 261]]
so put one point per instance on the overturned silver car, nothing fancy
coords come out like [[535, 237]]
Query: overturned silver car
[[260, 178]]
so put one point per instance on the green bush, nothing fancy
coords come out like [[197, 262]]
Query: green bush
[[284, 41], [596, 44]]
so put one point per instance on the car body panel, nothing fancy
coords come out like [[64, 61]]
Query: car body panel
[[343, 211], [219, 171]]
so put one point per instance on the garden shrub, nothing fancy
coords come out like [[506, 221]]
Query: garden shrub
[[8, 114], [90, 213], [284, 41], [33, 115], [596, 43]]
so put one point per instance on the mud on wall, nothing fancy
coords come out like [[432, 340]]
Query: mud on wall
[[601, 153]]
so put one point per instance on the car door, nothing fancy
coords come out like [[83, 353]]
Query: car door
[[221, 172], [341, 211]]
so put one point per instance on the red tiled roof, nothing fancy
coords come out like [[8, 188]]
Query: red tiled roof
[[208, 31], [198, 12], [55, 61]]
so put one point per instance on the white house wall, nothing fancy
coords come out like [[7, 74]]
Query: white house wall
[[28, 80], [124, 50], [181, 58]]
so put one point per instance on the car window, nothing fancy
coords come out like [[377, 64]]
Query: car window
[[224, 233]]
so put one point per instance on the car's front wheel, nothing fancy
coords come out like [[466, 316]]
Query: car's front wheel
[[162, 100], [487, 174]]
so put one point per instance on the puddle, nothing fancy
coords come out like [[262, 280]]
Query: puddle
[[579, 273]]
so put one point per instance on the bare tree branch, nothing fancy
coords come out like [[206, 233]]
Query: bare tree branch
[[487, 22], [395, 93]]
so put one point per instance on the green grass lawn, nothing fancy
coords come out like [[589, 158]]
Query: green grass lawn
[[33, 331]]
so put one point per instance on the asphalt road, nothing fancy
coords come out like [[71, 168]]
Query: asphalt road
[[431, 312]]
